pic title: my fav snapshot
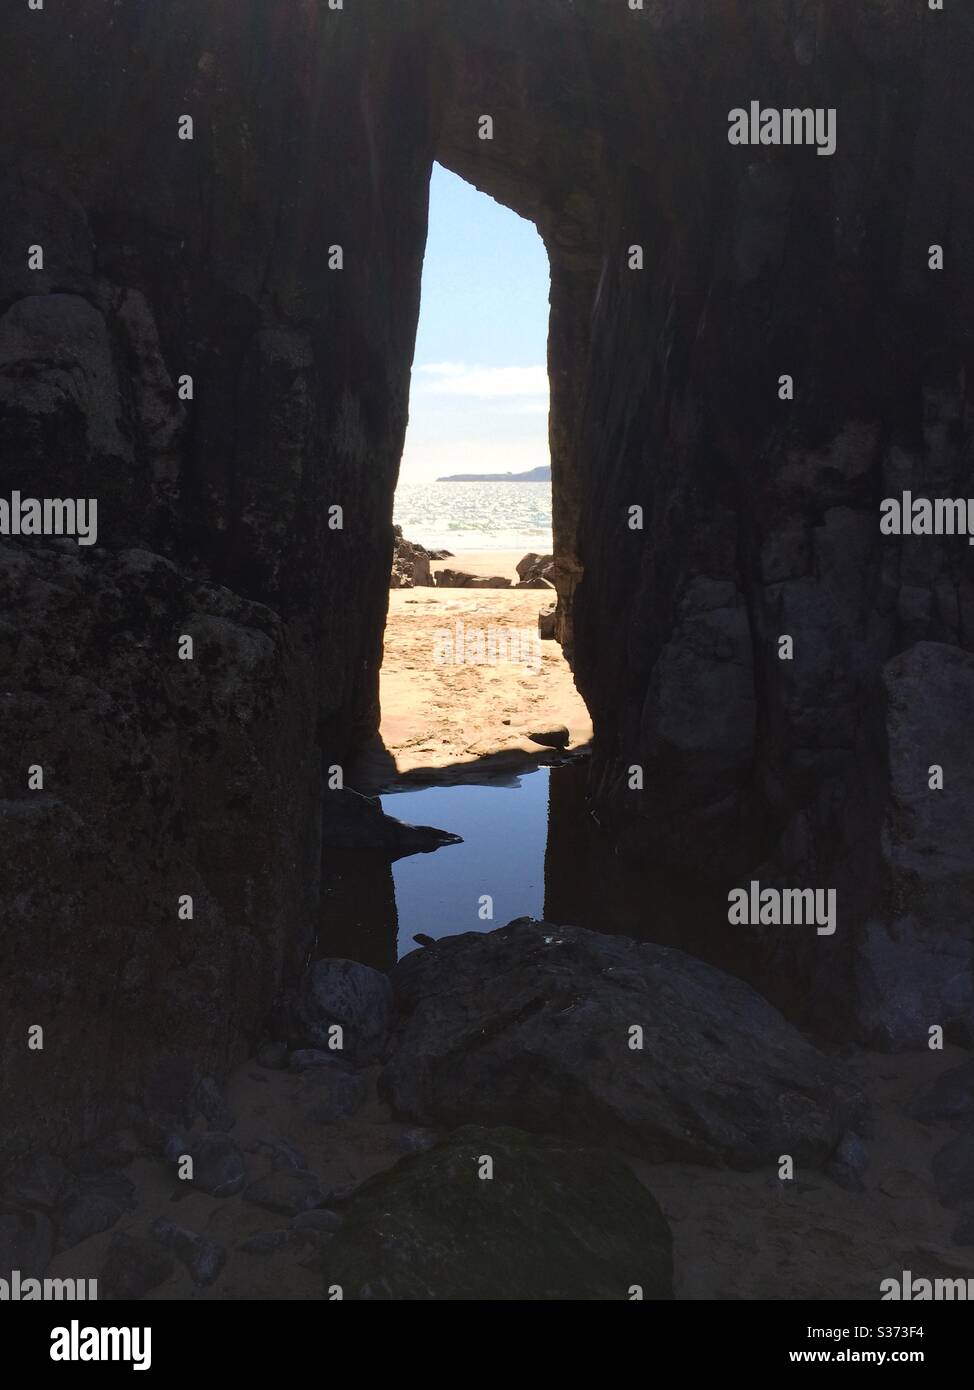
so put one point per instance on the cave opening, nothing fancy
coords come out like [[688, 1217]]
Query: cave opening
[[470, 672], [479, 708]]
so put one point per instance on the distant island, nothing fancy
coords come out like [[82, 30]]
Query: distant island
[[533, 475]]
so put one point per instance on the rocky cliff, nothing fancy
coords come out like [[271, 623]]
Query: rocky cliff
[[216, 343]]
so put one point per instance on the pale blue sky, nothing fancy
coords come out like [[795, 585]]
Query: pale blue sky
[[479, 398]]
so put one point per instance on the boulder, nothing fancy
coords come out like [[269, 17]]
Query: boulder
[[218, 1166], [341, 992], [453, 579], [536, 567], [555, 1221], [203, 1258], [533, 1026], [491, 581], [86, 1215], [410, 564]]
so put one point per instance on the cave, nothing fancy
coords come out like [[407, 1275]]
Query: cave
[[191, 353]]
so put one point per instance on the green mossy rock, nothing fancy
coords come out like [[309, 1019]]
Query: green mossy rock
[[554, 1222]]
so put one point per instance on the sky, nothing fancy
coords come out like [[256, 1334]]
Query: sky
[[479, 395]]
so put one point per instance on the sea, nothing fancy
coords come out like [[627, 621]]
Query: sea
[[476, 516]]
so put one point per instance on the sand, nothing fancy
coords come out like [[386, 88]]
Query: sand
[[441, 718], [735, 1235]]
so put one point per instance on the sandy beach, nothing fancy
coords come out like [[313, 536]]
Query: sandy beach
[[439, 711]]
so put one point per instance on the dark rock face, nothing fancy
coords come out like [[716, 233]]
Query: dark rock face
[[251, 507], [532, 1026], [552, 1222], [915, 961], [216, 514]]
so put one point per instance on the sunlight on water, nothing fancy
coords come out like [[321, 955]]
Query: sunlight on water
[[476, 516]]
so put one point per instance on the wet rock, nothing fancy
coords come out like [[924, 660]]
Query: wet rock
[[26, 1243], [265, 1242], [554, 1222], [953, 1170], [949, 1100], [531, 1025], [488, 581], [86, 1215], [203, 1257], [551, 736], [354, 998], [289, 1190], [218, 1166], [133, 1267], [441, 554], [351, 821], [847, 1166]]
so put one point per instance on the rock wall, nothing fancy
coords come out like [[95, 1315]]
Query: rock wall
[[163, 259], [760, 514], [215, 259]]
